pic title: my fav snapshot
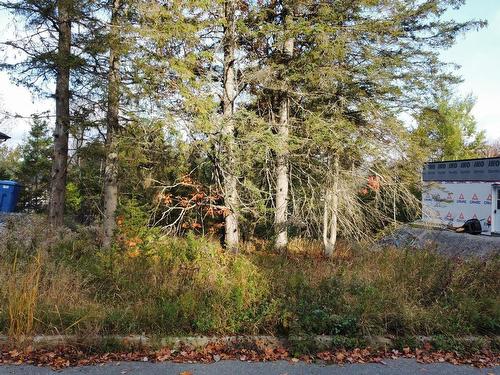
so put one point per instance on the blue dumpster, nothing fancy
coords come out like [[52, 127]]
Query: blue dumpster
[[9, 194]]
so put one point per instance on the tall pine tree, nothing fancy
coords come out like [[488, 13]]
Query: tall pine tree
[[45, 45]]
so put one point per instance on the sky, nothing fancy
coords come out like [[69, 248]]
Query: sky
[[477, 52]]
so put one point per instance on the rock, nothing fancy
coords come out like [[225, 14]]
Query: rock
[[379, 342]]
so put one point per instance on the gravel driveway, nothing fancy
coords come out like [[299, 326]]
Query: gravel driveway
[[443, 241]]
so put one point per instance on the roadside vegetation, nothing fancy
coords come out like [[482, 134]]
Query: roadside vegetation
[[62, 282], [223, 167]]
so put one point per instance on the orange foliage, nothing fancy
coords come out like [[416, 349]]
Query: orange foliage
[[374, 183]]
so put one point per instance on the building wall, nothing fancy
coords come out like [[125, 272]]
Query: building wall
[[452, 203]]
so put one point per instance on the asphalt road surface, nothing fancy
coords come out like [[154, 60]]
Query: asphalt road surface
[[392, 367]]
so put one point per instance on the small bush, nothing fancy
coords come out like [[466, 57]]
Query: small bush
[[467, 345], [174, 285]]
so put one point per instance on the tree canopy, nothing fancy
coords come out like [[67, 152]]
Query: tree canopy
[[242, 119], [447, 130]]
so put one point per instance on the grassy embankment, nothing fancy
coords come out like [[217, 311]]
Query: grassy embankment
[[63, 283]]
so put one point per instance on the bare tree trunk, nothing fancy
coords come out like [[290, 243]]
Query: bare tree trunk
[[61, 131], [282, 163], [326, 215], [111, 167], [330, 214], [230, 180], [281, 215]]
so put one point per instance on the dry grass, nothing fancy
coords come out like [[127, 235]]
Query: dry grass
[[22, 295], [42, 295]]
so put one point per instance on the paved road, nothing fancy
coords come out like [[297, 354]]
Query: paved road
[[397, 367]]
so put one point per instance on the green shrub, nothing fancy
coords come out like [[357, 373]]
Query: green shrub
[[174, 285]]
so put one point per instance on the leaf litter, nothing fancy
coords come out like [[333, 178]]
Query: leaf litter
[[70, 356]]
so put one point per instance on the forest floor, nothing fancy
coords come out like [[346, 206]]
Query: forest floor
[[443, 241]]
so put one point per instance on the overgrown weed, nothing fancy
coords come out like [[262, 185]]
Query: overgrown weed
[[22, 294], [169, 285]]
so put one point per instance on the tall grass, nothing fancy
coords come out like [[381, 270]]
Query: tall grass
[[168, 285], [41, 294], [23, 287]]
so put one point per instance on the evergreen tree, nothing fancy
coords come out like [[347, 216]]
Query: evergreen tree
[[448, 130], [47, 45], [286, 54], [35, 168], [229, 94], [355, 64], [62, 96], [10, 161], [112, 123]]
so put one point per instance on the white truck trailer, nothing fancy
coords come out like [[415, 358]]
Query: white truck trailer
[[456, 191]]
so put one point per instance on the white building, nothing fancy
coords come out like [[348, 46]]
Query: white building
[[456, 191]]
